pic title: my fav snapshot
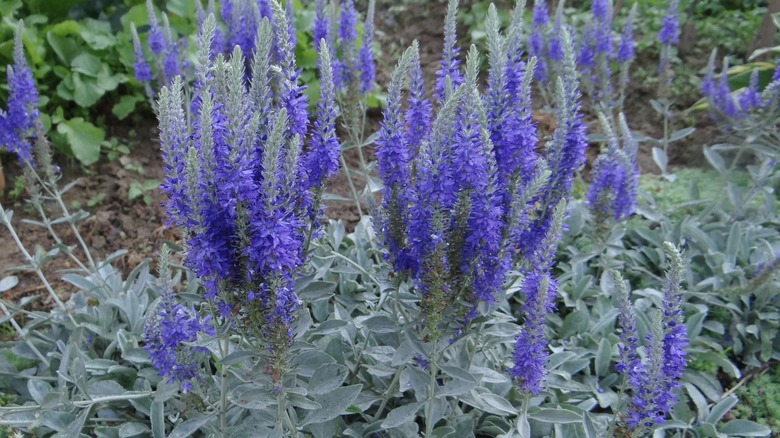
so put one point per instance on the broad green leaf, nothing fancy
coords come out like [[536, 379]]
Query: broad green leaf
[[86, 64], [84, 138]]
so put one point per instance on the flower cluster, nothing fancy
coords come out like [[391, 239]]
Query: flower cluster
[[654, 380], [595, 55], [18, 121], [612, 194], [354, 68], [463, 189], [749, 103], [168, 331], [166, 52], [239, 181], [669, 36]]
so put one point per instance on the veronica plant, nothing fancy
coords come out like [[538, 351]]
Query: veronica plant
[[166, 53], [18, 122], [454, 217], [354, 72], [613, 191], [654, 380], [240, 185]]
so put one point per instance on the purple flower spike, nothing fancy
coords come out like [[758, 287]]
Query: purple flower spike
[[366, 64], [670, 30], [19, 121]]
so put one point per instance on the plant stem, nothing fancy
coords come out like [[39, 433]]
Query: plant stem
[[223, 347], [23, 334], [429, 422], [351, 185]]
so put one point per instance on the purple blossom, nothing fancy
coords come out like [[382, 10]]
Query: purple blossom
[[18, 122], [670, 30], [156, 35], [541, 20], [612, 194], [450, 63], [322, 30], [143, 73], [530, 353], [751, 97], [654, 381], [627, 47], [366, 56], [323, 155], [165, 336], [394, 157], [776, 74], [418, 114]]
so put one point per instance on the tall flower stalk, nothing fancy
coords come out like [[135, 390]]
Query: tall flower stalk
[[654, 381], [240, 185]]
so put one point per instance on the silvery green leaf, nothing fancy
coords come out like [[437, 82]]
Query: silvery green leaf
[[131, 429], [444, 431], [555, 416], [660, 158], [8, 283], [401, 415], [680, 134], [307, 362], [236, 357], [745, 428], [660, 108], [377, 324], [330, 327], [165, 391], [415, 379], [488, 375], [249, 396], [326, 378], [721, 408], [404, 353], [302, 402], [104, 388], [157, 417], [459, 374], [38, 389], [334, 403], [317, 291], [189, 427], [497, 404], [698, 400], [523, 426], [715, 160], [708, 384], [603, 357], [455, 387]]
